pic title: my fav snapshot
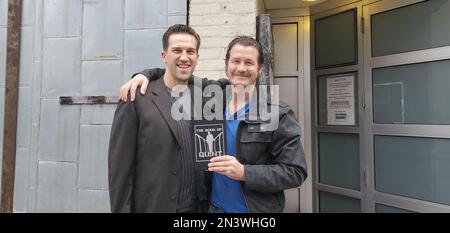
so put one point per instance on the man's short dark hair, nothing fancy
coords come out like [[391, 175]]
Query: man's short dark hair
[[179, 29], [247, 42]]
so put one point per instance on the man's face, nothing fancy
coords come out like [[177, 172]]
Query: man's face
[[243, 67], [181, 56]]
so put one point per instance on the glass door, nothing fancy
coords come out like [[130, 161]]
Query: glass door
[[338, 84], [381, 115], [406, 72]]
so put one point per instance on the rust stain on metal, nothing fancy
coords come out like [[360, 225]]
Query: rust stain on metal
[[11, 105], [65, 100], [88, 100], [97, 99]]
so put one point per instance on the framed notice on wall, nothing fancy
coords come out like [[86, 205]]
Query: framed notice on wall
[[341, 100]]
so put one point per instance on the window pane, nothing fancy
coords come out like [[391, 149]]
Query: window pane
[[339, 160], [413, 167], [332, 203], [323, 98], [288, 91], [285, 46], [412, 94], [379, 208], [423, 25], [336, 40]]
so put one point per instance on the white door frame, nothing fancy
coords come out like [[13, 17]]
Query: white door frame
[[304, 96]]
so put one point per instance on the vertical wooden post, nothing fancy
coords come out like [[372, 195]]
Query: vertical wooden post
[[11, 104], [265, 37]]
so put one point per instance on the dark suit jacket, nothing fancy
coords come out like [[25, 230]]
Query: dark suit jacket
[[144, 169]]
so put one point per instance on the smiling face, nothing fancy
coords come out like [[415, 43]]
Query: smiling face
[[242, 66], [181, 57]]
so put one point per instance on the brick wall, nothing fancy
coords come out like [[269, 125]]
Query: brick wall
[[218, 22]]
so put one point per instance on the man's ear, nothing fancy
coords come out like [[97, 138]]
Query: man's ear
[[163, 56]]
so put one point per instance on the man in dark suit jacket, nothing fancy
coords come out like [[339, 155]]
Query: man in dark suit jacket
[[157, 174]]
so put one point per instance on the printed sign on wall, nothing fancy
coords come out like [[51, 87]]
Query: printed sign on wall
[[341, 100]]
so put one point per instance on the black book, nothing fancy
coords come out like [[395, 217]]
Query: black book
[[210, 138]]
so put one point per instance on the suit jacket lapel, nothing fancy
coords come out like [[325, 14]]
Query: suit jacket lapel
[[163, 103]]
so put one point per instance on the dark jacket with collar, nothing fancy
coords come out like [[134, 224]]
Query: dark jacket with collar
[[273, 157], [144, 169]]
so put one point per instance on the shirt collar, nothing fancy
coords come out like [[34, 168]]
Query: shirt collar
[[240, 114]]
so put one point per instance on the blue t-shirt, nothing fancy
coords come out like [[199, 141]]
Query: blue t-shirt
[[227, 193]]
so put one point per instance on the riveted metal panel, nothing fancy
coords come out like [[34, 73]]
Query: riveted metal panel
[[21, 182], [102, 30], [177, 7], [62, 18], [101, 77], [3, 13], [26, 56], [93, 201], [141, 14], [93, 164], [61, 67], [140, 53], [56, 192], [58, 132], [97, 114], [2, 55]]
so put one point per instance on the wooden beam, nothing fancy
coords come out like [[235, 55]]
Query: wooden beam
[[11, 105]]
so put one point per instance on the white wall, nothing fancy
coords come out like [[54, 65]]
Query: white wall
[[218, 22]]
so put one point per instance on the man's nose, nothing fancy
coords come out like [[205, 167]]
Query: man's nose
[[184, 56], [241, 67]]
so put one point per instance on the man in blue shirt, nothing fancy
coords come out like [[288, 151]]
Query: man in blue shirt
[[233, 199], [260, 163]]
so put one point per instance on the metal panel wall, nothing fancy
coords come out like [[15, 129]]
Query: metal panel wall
[[76, 47]]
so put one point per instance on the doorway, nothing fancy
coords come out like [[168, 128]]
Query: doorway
[[291, 56]]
